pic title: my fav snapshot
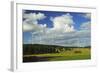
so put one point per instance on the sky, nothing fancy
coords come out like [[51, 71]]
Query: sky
[[56, 28]]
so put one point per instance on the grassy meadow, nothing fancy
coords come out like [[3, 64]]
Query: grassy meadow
[[37, 53]]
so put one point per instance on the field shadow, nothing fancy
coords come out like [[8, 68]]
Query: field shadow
[[37, 59]]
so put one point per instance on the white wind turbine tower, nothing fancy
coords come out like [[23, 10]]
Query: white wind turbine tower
[[32, 34], [33, 37], [78, 43], [42, 32], [39, 33]]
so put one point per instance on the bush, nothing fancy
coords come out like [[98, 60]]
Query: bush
[[77, 51]]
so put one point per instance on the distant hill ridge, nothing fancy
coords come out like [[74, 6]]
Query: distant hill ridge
[[57, 46]]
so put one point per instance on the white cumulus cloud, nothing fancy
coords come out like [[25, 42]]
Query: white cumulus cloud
[[34, 16], [33, 27], [31, 22], [86, 26], [87, 15], [63, 23]]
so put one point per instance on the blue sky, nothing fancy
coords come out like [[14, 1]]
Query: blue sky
[[77, 17], [59, 23]]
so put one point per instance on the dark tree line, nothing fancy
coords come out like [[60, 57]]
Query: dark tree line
[[43, 49]]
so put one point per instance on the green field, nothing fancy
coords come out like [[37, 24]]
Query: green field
[[66, 55], [62, 54]]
